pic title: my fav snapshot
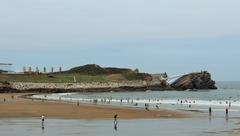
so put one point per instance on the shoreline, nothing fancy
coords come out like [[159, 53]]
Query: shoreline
[[16, 106]]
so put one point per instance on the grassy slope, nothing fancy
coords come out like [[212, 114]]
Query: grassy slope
[[57, 78]]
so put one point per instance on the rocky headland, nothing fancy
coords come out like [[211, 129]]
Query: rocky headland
[[111, 79], [192, 81]]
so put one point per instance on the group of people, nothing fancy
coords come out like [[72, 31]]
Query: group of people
[[115, 121], [210, 112], [4, 99]]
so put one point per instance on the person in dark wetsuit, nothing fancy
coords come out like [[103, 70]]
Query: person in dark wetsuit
[[210, 111], [226, 110]]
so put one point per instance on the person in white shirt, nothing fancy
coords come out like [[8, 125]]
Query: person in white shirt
[[43, 118]]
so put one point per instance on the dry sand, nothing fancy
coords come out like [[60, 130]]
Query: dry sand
[[20, 107]]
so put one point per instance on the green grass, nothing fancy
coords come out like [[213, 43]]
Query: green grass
[[55, 78]]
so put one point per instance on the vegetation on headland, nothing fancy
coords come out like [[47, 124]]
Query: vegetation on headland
[[95, 78], [86, 73]]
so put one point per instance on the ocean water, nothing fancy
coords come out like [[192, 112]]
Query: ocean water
[[227, 96]]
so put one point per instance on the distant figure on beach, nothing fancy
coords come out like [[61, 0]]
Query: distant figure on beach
[[4, 99], [43, 118], [146, 106], [210, 111], [77, 103], [157, 106], [226, 111], [115, 119], [230, 104]]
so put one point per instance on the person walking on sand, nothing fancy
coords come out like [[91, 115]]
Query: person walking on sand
[[43, 118], [115, 119]]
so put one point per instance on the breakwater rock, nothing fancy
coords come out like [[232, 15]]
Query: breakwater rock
[[81, 87], [198, 80]]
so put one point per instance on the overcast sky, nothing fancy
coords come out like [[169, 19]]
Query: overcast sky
[[173, 36]]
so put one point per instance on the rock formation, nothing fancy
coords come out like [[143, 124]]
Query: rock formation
[[200, 80]]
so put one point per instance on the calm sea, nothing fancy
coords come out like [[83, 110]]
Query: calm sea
[[226, 96]]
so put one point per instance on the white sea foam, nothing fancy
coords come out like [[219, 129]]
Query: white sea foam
[[67, 97]]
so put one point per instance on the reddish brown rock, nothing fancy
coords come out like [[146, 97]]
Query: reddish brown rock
[[199, 80]]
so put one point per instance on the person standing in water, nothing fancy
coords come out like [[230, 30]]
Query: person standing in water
[[210, 111], [226, 113]]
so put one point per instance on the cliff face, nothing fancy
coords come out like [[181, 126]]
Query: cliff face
[[200, 80]]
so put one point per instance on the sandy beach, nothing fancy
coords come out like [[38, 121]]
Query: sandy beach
[[15, 106]]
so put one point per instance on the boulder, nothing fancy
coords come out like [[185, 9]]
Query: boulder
[[198, 80]]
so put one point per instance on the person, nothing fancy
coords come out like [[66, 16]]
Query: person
[[43, 118], [226, 111], [210, 111], [4, 99], [115, 119], [146, 106]]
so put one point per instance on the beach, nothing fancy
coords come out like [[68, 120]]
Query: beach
[[135, 127], [16, 106]]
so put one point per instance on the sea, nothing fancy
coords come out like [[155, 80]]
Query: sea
[[195, 102], [226, 96]]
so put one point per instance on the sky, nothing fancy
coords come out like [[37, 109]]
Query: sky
[[173, 36]]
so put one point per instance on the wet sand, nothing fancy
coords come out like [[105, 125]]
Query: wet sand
[[139, 127], [20, 107]]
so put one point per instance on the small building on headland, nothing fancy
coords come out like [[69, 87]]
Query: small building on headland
[[5, 68]]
